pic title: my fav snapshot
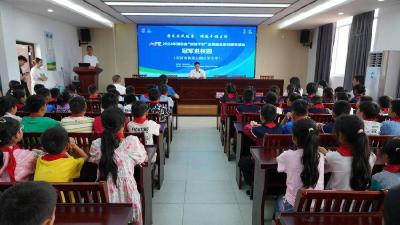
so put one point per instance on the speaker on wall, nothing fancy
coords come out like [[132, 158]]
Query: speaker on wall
[[305, 36], [84, 36]]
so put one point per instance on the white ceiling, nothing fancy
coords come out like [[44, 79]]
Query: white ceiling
[[113, 13]]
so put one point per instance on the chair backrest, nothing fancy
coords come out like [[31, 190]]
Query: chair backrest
[[321, 118], [154, 116], [377, 142], [93, 106], [83, 140], [277, 142], [31, 141], [382, 118], [328, 106], [75, 192], [248, 117], [339, 201]]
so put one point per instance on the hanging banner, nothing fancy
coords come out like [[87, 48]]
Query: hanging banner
[[50, 54]]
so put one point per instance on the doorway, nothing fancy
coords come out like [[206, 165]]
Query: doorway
[[28, 51]]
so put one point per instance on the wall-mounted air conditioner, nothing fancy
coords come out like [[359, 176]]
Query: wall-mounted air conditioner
[[383, 74]]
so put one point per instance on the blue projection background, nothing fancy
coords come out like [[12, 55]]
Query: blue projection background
[[221, 50]]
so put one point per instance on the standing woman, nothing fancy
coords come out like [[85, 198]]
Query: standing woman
[[24, 76], [37, 74]]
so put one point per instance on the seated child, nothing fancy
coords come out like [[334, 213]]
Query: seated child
[[8, 108], [16, 165], [73, 91], [130, 90], [339, 89], [57, 165], [392, 127], [384, 104], [32, 203], [339, 108], [20, 96], [230, 94], [117, 81], [299, 111], [54, 92], [63, 102], [304, 166], [311, 89], [129, 100], [351, 164], [272, 98], [120, 98], [296, 82], [327, 95], [369, 112], [117, 167], [11, 86], [390, 176], [156, 107], [248, 103], [317, 107], [37, 87], [292, 97], [77, 122], [47, 97], [171, 91], [358, 91], [164, 96], [141, 124], [108, 100], [342, 96], [36, 122], [255, 130], [145, 97], [93, 92]]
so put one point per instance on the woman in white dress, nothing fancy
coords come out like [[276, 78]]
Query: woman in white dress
[[37, 74]]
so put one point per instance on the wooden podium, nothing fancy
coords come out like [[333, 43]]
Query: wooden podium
[[87, 76]]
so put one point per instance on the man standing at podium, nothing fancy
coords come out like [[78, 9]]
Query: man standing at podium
[[197, 73], [90, 58]]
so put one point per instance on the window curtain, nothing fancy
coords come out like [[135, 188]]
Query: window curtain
[[359, 46], [324, 52]]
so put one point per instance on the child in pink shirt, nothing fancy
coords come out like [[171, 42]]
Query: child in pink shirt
[[15, 164], [304, 167]]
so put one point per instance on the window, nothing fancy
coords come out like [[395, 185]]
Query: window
[[339, 53]]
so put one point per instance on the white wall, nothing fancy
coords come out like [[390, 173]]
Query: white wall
[[388, 30], [312, 56], [27, 27]]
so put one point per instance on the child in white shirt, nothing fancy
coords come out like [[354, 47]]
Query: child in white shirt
[[164, 96], [369, 112], [351, 165], [304, 167], [117, 81], [128, 100], [141, 124]]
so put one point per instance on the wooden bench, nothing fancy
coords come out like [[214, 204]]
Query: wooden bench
[[331, 219]]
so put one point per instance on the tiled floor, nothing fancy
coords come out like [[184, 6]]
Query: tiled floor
[[199, 186]]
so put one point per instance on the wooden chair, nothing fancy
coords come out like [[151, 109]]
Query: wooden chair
[[321, 118], [93, 106], [31, 141], [277, 142], [83, 140], [377, 142], [339, 201], [382, 118], [328, 106], [75, 192]]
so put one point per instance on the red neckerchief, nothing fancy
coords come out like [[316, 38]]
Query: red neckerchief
[[385, 110], [20, 106], [392, 168], [345, 150], [52, 157], [231, 95], [397, 119], [140, 120], [311, 96], [35, 115], [93, 97], [146, 95], [319, 106], [53, 100], [120, 135], [155, 102], [270, 125], [12, 163]]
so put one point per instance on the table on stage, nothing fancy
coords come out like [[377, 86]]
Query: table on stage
[[203, 91], [331, 219], [93, 214]]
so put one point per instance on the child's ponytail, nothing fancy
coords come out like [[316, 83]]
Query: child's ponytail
[[306, 134], [351, 128]]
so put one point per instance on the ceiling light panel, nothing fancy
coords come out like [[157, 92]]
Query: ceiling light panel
[[199, 4]]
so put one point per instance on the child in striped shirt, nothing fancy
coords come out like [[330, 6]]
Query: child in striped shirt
[[78, 122]]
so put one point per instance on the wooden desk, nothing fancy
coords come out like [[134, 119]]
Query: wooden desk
[[93, 214], [265, 166], [331, 219], [200, 92], [239, 138]]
